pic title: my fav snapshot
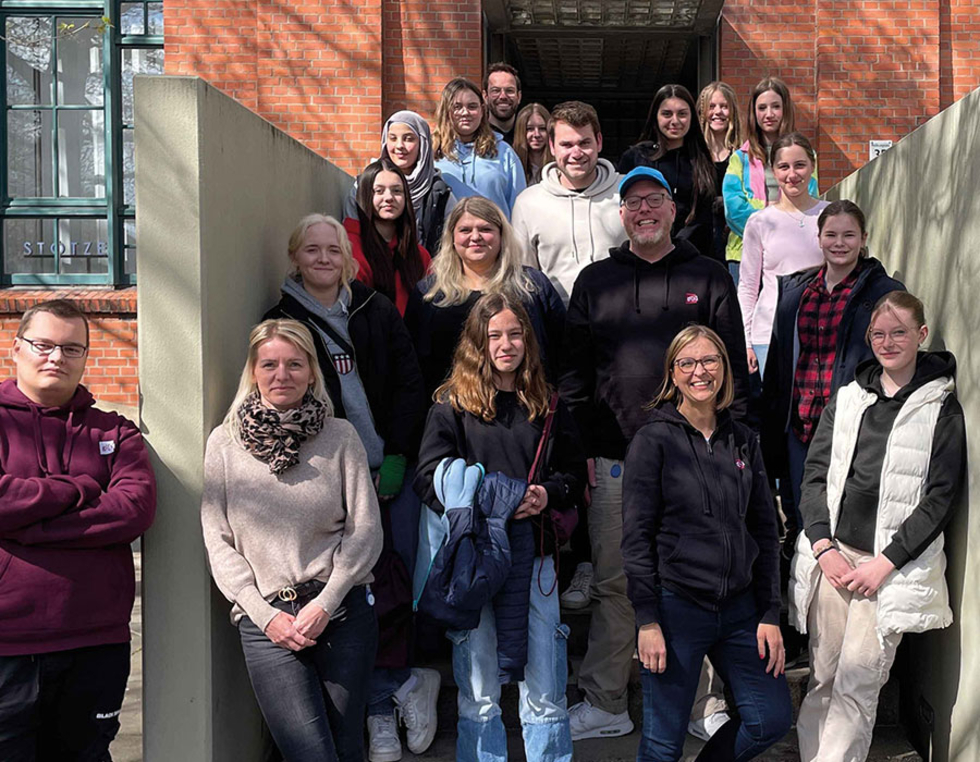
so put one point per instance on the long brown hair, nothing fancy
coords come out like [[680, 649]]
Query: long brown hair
[[520, 138], [470, 387], [668, 389], [757, 143], [444, 135], [694, 145], [405, 260]]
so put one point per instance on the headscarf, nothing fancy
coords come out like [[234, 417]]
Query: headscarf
[[420, 181]]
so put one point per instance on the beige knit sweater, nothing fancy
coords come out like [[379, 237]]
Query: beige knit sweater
[[318, 520]]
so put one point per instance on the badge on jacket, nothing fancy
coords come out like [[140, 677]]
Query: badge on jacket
[[107, 448], [343, 363], [692, 298]]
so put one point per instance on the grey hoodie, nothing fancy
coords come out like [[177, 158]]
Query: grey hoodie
[[564, 230]]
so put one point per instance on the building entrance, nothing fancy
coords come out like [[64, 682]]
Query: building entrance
[[612, 54]]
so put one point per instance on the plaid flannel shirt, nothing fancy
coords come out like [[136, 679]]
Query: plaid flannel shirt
[[817, 325]]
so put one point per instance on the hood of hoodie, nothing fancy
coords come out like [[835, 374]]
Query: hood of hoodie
[[607, 178], [71, 413], [928, 367]]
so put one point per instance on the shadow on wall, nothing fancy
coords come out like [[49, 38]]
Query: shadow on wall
[[923, 209]]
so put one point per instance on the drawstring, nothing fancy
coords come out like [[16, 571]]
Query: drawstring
[[591, 234], [701, 482], [69, 442], [666, 284], [571, 200], [636, 287], [41, 460]]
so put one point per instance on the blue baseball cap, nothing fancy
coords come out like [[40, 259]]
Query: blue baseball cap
[[644, 173]]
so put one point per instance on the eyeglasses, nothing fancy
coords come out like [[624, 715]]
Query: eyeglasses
[[653, 200], [462, 108], [686, 365], [897, 335], [45, 348], [493, 92]]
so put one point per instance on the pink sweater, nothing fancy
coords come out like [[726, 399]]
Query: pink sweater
[[774, 244]]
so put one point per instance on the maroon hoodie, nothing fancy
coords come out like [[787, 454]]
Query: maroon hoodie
[[76, 488]]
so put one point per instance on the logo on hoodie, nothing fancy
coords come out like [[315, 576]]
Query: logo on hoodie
[[740, 463], [692, 298], [343, 363], [107, 448]]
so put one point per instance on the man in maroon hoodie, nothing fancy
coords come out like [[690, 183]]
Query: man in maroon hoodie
[[76, 488]]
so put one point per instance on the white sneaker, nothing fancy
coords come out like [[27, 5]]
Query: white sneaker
[[417, 707], [707, 726], [587, 721], [383, 735], [578, 594]]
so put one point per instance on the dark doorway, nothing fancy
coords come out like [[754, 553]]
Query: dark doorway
[[614, 55]]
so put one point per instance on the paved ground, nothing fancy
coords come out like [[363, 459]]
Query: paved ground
[[890, 744]]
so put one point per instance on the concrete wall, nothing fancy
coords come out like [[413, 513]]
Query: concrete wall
[[922, 200], [218, 191]]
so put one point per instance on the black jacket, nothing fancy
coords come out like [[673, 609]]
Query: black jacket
[[508, 445], [852, 349], [676, 167], [621, 318], [436, 330], [432, 217], [859, 504], [385, 362], [698, 517]]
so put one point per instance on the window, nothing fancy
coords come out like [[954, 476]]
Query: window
[[67, 197]]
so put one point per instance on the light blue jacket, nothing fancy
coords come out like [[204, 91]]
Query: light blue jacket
[[499, 178]]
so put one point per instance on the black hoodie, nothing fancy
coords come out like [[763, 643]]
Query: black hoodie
[[698, 517], [859, 503], [622, 316]]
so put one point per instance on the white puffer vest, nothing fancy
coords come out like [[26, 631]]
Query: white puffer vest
[[913, 598]]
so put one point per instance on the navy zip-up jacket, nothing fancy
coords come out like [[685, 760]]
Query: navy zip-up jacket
[[784, 348], [698, 517]]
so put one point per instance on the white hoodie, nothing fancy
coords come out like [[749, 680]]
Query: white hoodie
[[563, 230]]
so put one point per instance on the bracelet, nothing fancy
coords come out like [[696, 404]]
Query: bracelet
[[829, 548]]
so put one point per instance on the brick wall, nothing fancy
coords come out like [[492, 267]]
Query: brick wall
[[315, 68], [111, 372], [858, 69]]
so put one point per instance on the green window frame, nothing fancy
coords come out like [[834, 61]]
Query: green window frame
[[79, 238]]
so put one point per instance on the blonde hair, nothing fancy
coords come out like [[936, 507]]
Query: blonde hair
[[897, 300], [348, 270], [470, 387], [733, 137], [448, 284], [296, 334], [668, 389], [444, 135]]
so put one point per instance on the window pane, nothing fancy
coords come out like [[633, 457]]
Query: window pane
[[154, 15], [83, 246], [129, 168], [81, 154], [27, 246], [137, 61], [131, 21], [29, 49], [79, 62], [29, 137], [129, 253]]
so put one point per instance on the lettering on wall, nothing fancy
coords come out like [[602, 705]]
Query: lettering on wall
[[62, 249]]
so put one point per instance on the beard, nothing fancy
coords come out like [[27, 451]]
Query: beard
[[644, 236]]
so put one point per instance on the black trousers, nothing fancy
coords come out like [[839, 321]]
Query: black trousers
[[62, 706]]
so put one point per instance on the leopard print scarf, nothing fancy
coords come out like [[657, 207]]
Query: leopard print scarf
[[274, 436]]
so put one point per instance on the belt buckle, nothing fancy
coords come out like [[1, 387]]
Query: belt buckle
[[288, 594]]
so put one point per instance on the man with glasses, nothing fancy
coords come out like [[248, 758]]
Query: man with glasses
[[502, 93], [623, 313], [570, 218], [76, 488]]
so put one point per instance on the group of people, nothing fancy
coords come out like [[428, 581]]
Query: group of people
[[578, 353]]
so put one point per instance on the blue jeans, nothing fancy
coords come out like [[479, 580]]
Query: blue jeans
[[796, 455], [733, 267], [404, 512], [728, 638], [313, 700], [761, 353], [480, 734]]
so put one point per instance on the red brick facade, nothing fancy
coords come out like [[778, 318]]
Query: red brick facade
[[111, 371], [322, 71], [858, 70]]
